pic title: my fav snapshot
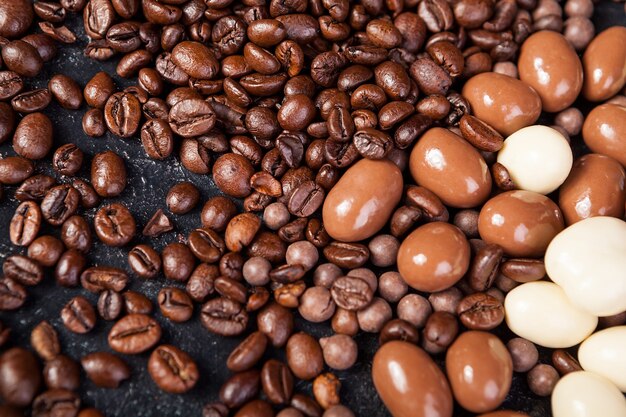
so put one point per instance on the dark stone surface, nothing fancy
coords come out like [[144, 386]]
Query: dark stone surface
[[148, 185]]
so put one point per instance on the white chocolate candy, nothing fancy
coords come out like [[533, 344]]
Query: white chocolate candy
[[585, 394], [540, 312], [537, 157], [604, 353], [588, 260]]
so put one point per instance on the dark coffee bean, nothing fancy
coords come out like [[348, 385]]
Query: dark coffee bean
[[7, 120], [224, 317], [88, 196], [56, 402], [34, 188], [61, 372], [10, 84], [240, 388], [114, 225], [247, 353], [66, 91], [134, 333], [217, 212], [201, 282], [98, 16], [100, 278], [49, 11], [23, 270], [194, 156], [372, 143], [430, 77], [182, 197], [215, 410], [78, 315], [351, 293], [124, 37], [110, 304], [136, 303], [25, 224], [93, 123], [191, 117], [172, 369], [59, 204], [12, 295], [403, 219], [523, 270], [69, 268], [347, 255], [178, 261], [175, 304], [31, 101], [287, 273], [440, 331], [232, 173], [108, 174], [105, 369], [144, 261], [98, 89], [340, 154], [33, 136], [306, 405], [277, 382], [293, 231], [45, 341], [76, 234], [425, 200], [501, 177], [22, 58], [67, 159], [15, 169], [437, 15], [480, 311], [130, 64], [479, 134], [122, 114], [393, 113], [484, 267], [21, 377], [306, 199], [564, 362], [231, 289], [398, 329]]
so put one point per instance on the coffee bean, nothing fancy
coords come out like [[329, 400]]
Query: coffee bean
[[34, 188], [440, 331], [114, 225], [25, 224], [398, 329], [105, 369], [108, 174], [224, 317], [347, 255], [23, 270], [564, 362], [157, 139], [76, 234], [326, 389], [240, 388], [484, 267], [93, 123], [437, 15], [277, 382], [247, 353], [501, 177], [22, 58], [10, 84], [31, 101], [14, 170], [99, 278], [480, 311], [304, 356], [78, 315], [306, 405], [21, 376], [172, 369], [351, 293], [182, 197], [122, 113], [33, 136], [178, 262], [175, 304], [134, 333], [66, 91], [61, 372], [69, 268], [479, 134], [144, 261], [232, 173], [56, 402], [110, 305], [191, 117], [523, 270], [45, 341], [67, 159], [306, 199], [59, 204]]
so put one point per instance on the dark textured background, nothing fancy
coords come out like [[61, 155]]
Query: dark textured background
[[148, 184]]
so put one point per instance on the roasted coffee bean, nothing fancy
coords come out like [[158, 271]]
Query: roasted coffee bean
[[300, 28], [178, 261], [175, 304], [50, 12], [398, 329], [23, 270], [21, 377], [484, 267], [231, 289], [7, 120], [144, 261], [259, 296], [108, 174], [12, 294], [479, 134], [480, 311], [201, 282], [191, 117], [22, 58], [46, 250], [114, 225], [523, 270], [240, 388], [69, 268], [93, 123], [276, 322], [78, 315], [372, 143], [501, 177], [247, 353], [182, 197], [45, 341], [31, 101], [306, 405], [56, 402], [217, 212], [351, 293], [172, 369], [122, 114], [136, 303], [277, 382], [194, 156], [564, 362], [430, 77], [347, 255], [34, 188], [76, 234], [15, 169], [98, 90], [304, 356], [110, 305], [440, 331], [88, 196], [224, 317], [67, 159], [59, 204], [10, 84], [33, 136], [100, 278], [105, 369], [61, 372], [25, 224], [66, 91], [232, 173], [306, 199], [134, 333]]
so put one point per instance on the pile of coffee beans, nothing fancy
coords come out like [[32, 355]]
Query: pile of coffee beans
[[379, 168]]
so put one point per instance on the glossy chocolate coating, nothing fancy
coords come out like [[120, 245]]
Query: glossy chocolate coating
[[409, 382], [361, 202], [505, 103], [604, 63], [504, 413], [555, 72], [604, 131], [451, 168], [434, 257], [594, 187], [522, 222], [480, 371]]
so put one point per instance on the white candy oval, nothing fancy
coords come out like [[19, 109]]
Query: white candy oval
[[540, 312], [588, 260], [604, 353], [585, 394]]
